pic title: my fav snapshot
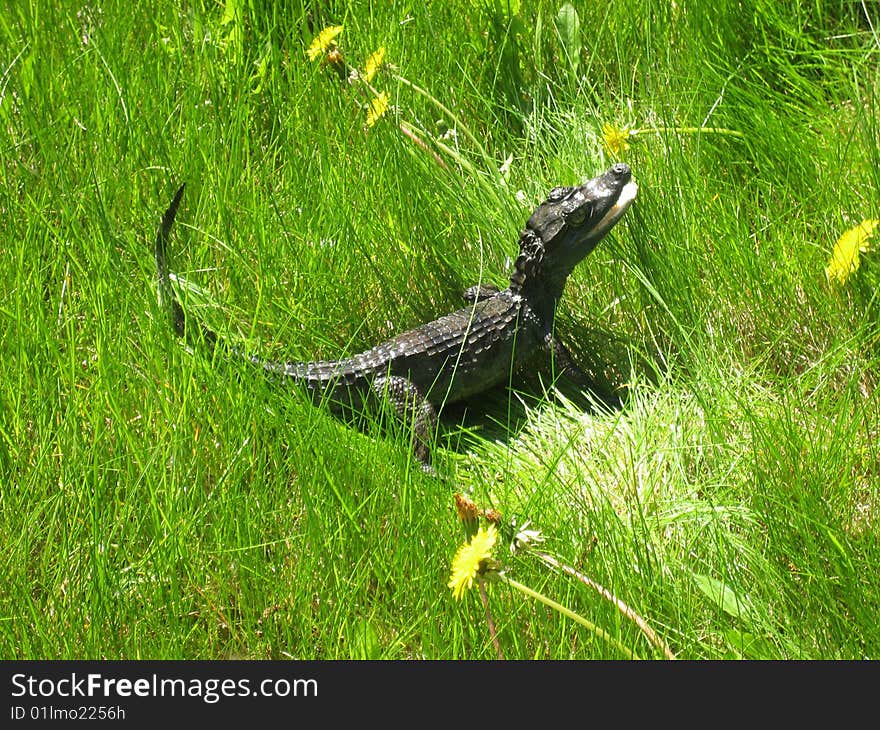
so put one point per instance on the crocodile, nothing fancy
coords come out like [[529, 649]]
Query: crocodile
[[461, 354]]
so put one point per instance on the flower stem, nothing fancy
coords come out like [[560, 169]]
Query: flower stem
[[589, 625], [609, 596], [443, 108], [410, 134], [490, 622], [689, 130]]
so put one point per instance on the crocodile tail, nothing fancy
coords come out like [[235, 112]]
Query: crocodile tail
[[167, 298]]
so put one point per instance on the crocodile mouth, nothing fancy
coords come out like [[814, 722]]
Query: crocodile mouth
[[627, 195]]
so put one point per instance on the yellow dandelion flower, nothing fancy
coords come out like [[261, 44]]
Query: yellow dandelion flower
[[374, 63], [845, 257], [469, 560], [614, 139], [323, 41], [378, 106]]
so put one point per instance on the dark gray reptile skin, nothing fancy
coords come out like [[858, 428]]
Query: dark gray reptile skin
[[468, 351]]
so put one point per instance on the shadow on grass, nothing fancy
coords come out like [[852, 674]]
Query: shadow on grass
[[500, 413], [496, 415]]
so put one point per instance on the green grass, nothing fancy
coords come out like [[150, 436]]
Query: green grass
[[156, 505]]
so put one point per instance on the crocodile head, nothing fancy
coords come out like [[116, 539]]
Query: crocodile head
[[568, 225]]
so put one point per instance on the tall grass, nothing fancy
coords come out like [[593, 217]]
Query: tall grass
[[156, 504]]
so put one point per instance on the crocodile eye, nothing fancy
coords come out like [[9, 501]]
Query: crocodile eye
[[577, 216], [577, 210], [557, 194]]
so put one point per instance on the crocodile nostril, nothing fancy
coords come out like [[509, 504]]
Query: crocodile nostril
[[621, 169]]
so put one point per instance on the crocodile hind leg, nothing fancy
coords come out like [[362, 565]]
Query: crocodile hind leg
[[413, 409]]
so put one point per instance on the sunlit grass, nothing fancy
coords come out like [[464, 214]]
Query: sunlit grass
[[156, 504]]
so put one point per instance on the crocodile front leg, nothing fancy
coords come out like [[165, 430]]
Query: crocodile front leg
[[413, 409], [564, 365]]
